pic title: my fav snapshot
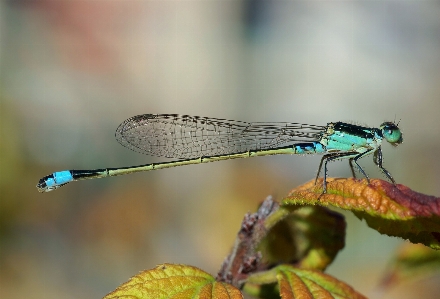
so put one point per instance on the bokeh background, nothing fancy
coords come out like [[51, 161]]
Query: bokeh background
[[71, 71]]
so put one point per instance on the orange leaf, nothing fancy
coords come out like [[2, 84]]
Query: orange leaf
[[302, 283], [392, 210], [295, 282], [174, 281]]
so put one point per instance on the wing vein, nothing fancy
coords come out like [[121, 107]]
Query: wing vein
[[185, 137]]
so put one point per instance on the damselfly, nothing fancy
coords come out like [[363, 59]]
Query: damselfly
[[195, 140]]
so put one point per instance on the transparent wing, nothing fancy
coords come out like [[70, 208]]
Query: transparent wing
[[185, 137]]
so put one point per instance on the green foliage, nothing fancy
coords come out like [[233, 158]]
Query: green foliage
[[411, 262], [174, 281], [283, 249]]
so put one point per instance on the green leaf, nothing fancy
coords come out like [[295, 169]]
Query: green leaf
[[390, 209], [174, 281], [310, 237], [303, 283], [412, 262]]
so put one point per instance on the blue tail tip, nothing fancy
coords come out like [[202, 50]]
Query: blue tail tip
[[54, 181]]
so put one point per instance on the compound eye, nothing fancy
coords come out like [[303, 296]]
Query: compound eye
[[391, 133]]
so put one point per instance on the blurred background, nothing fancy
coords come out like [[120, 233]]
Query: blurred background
[[71, 71]]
